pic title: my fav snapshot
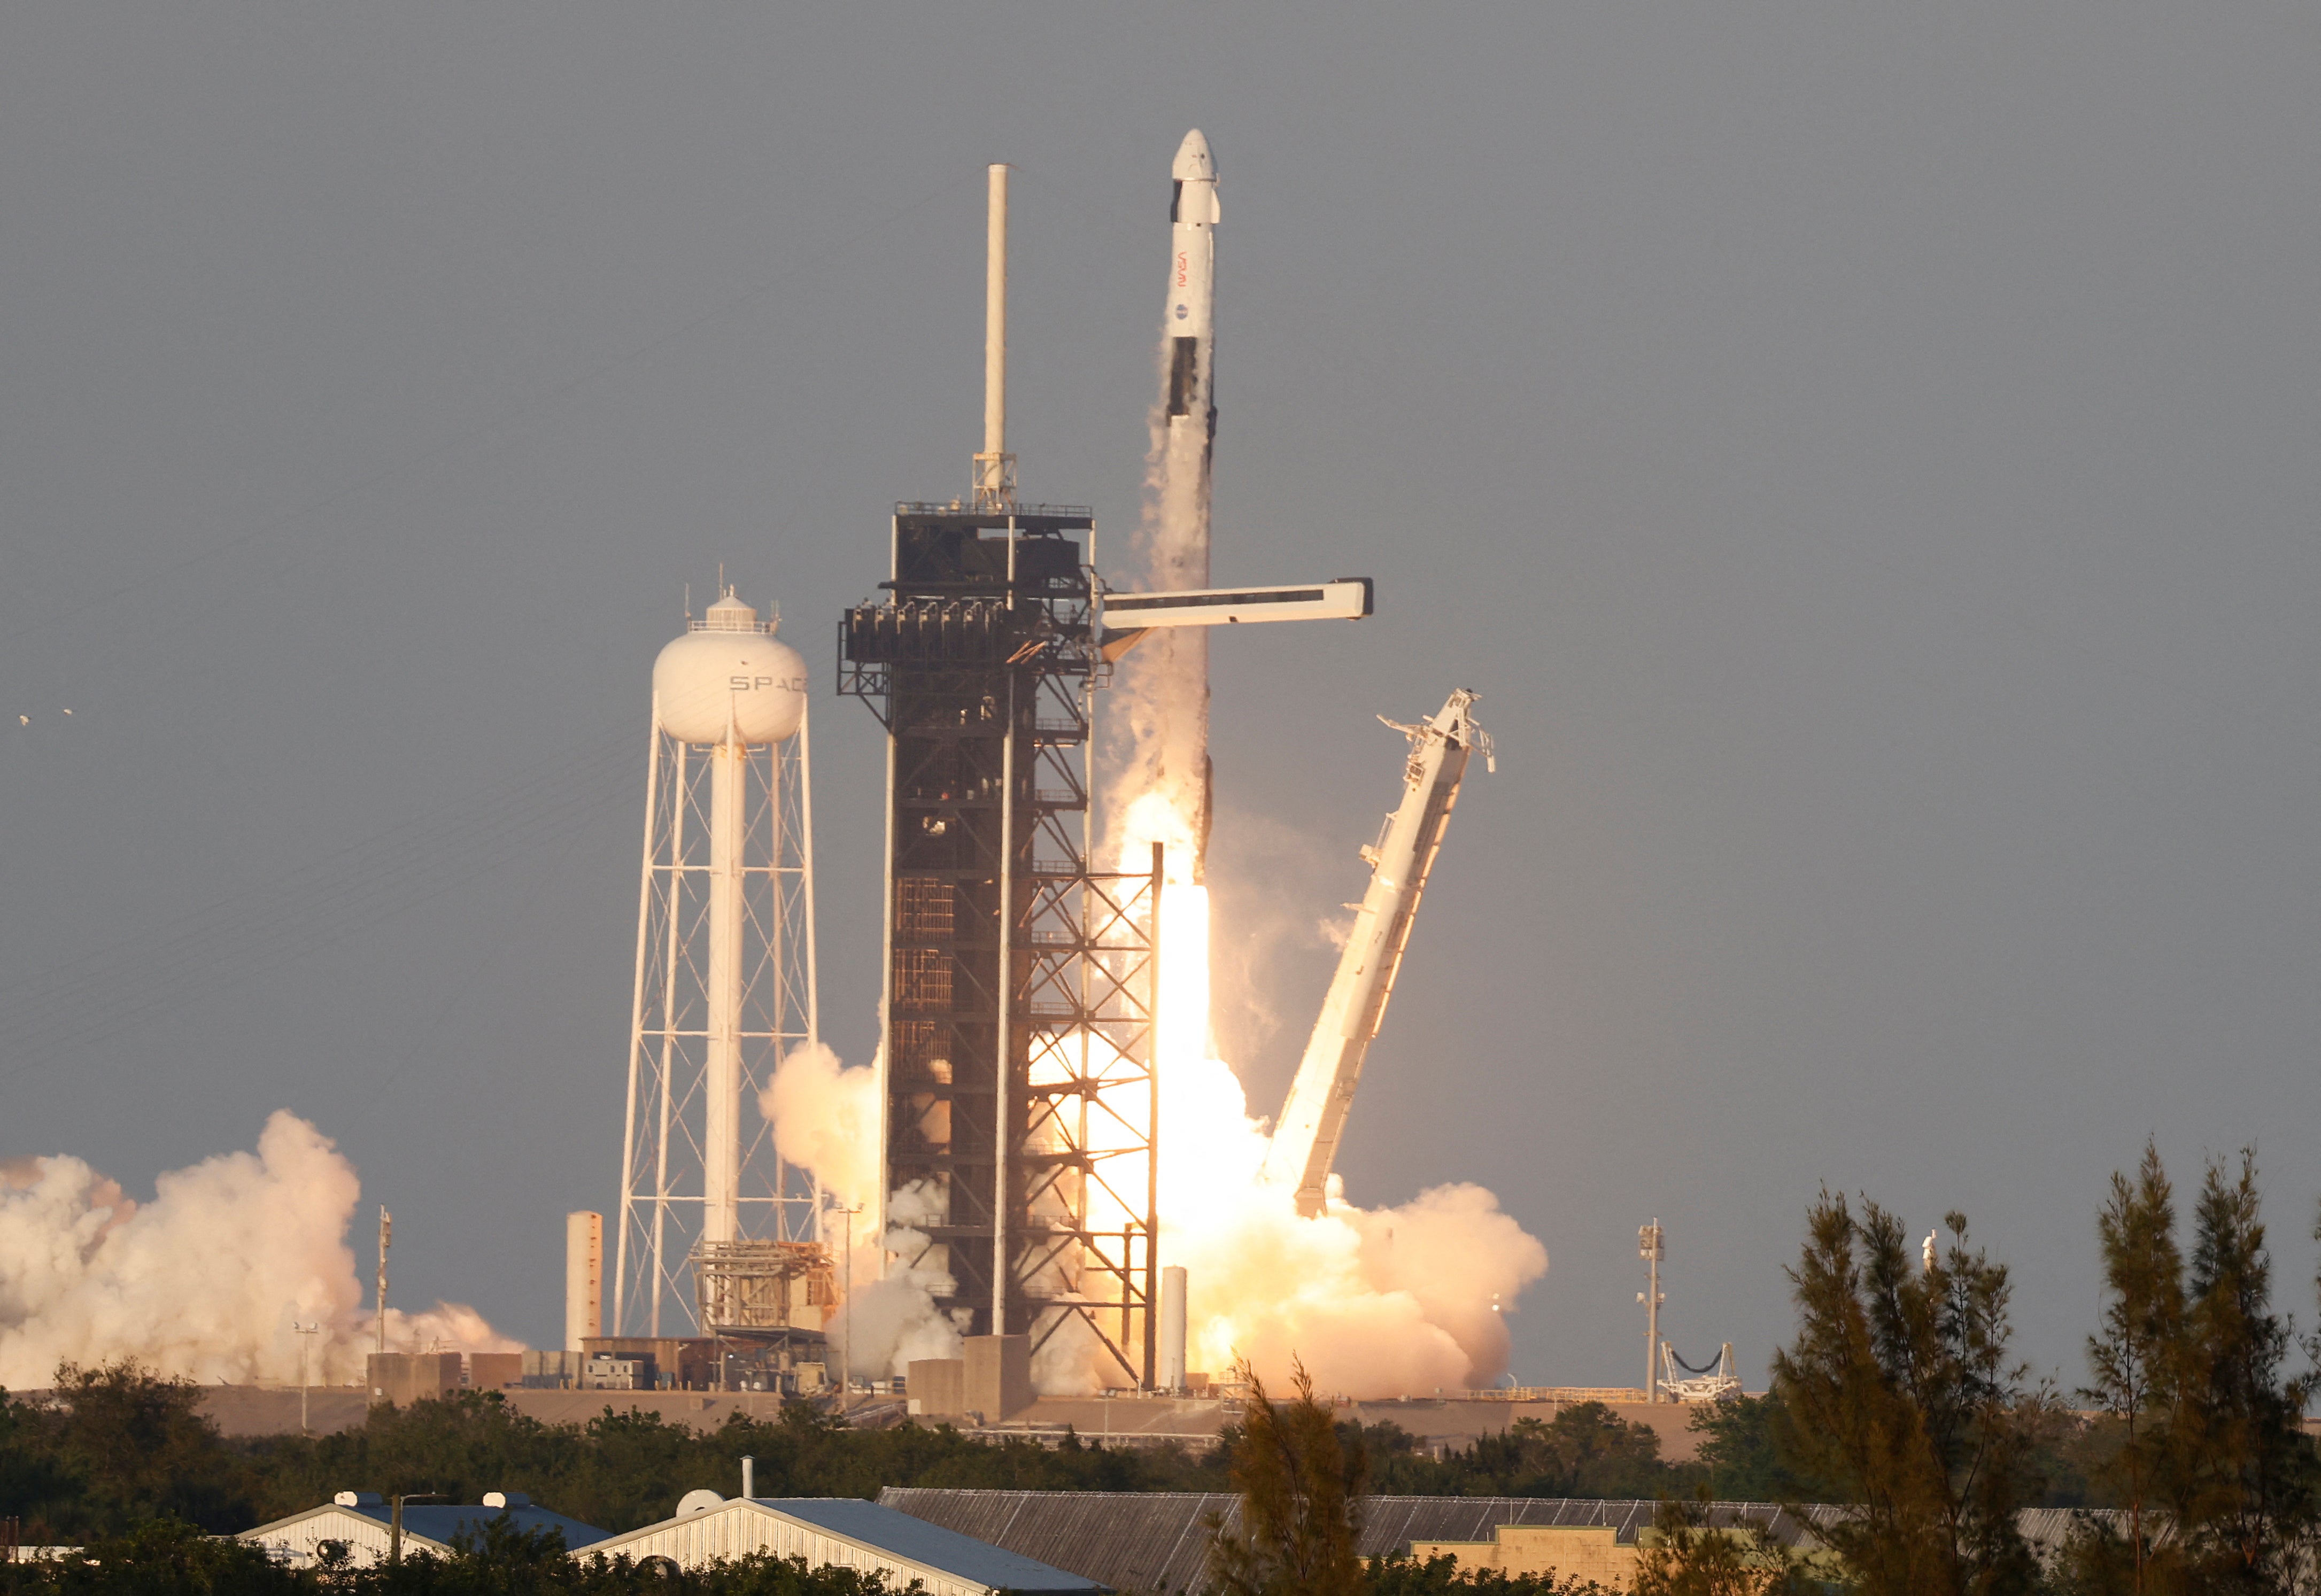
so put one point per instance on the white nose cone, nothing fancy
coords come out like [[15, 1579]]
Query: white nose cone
[[731, 676], [1193, 162]]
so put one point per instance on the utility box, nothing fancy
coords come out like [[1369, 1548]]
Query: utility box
[[489, 1371], [937, 1387], [404, 1378], [998, 1376]]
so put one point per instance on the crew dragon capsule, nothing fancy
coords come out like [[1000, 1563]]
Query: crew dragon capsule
[[1192, 277]]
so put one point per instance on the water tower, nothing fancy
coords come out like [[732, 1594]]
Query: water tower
[[725, 973]]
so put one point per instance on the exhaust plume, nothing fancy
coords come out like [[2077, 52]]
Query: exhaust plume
[[206, 1280], [825, 1121]]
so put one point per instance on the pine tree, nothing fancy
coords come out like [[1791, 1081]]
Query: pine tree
[[2239, 1473], [1301, 1488], [1900, 1388], [2138, 1354]]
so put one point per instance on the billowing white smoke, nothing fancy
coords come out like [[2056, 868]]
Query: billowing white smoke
[[825, 1121], [208, 1278], [1396, 1302], [895, 1320]]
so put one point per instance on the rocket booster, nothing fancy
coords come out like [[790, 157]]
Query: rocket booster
[[1192, 281], [1177, 744]]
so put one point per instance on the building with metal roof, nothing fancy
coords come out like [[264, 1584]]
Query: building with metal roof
[[1159, 1542], [849, 1533], [361, 1524]]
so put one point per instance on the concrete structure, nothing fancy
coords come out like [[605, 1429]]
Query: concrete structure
[[844, 1532], [584, 1278], [1171, 1375], [991, 1383], [1571, 1552], [998, 1376], [937, 1387], [360, 1525], [404, 1378], [1192, 1421], [490, 1370]]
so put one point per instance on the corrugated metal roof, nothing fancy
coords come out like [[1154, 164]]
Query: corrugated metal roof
[[440, 1521], [922, 1540], [427, 1528], [1151, 1541]]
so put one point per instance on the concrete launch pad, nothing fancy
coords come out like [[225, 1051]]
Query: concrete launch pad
[[251, 1410]]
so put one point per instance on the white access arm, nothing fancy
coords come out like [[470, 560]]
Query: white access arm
[[1128, 616], [1306, 1140]]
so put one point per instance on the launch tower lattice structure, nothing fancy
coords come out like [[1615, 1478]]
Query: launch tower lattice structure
[[725, 927], [1021, 1105]]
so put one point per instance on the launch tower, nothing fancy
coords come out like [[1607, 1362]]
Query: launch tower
[[1020, 1100]]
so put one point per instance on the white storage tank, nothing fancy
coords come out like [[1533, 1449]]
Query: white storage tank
[[729, 671]]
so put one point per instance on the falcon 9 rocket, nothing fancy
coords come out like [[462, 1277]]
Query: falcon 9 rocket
[[1174, 743]]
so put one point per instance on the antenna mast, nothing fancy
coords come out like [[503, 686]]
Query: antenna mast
[[995, 467], [1649, 1246]]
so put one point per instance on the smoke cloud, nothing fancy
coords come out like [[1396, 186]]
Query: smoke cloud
[[206, 1280], [1377, 1303], [825, 1121], [893, 1320]]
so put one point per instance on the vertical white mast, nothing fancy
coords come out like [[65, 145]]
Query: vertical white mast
[[995, 467], [1650, 1246], [721, 1142]]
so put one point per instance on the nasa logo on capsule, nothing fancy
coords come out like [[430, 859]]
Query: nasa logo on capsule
[[1182, 313]]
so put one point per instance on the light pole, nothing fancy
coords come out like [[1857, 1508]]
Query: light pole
[[1649, 1248], [394, 1521], [306, 1346]]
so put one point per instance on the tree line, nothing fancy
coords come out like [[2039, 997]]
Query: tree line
[[1900, 1399]]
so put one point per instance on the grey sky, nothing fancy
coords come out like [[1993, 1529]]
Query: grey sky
[[1865, 457]]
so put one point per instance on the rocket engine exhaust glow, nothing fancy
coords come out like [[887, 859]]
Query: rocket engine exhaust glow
[[1375, 1302]]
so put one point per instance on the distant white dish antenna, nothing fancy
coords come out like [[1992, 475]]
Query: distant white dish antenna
[[698, 1501]]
